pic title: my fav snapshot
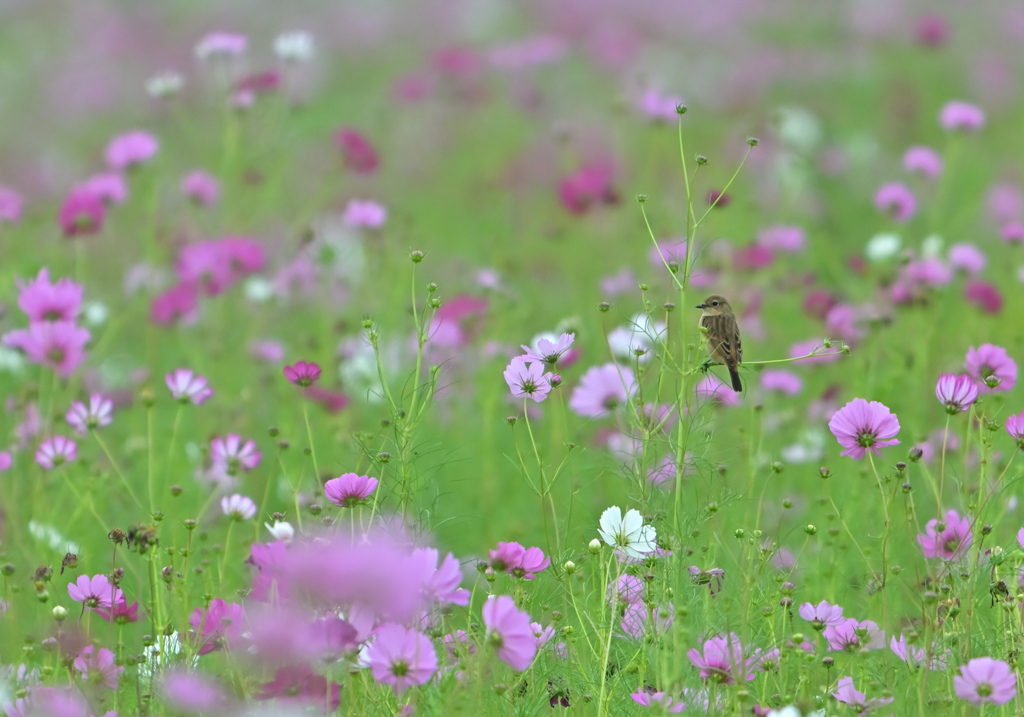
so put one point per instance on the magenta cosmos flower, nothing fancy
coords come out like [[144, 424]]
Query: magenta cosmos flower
[[896, 200], [86, 418], [985, 295], [401, 658], [548, 351], [56, 451], [364, 214], [961, 116], [302, 373], [821, 615], [108, 186], [95, 591], [848, 694], [948, 539], [349, 490], [439, 583], [130, 149], [923, 160], [187, 387], [357, 154], [986, 680], [527, 380], [300, 686], [720, 657], [97, 667], [520, 562], [917, 657], [861, 426], [230, 453], [81, 213], [783, 238], [956, 393], [43, 301], [201, 188], [238, 507], [59, 345], [852, 636], [219, 626], [589, 185], [991, 367], [509, 632], [659, 700], [967, 257], [602, 389], [1015, 427]]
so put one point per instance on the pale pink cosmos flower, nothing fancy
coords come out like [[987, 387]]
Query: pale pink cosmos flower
[[961, 116], [364, 213], [192, 693], [1015, 427], [785, 382], [660, 107], [201, 187], [896, 200], [60, 345], [659, 701], [267, 350], [86, 418], [81, 214], [956, 392], [527, 380], [852, 636], [349, 489], [56, 451], [721, 658], [130, 149], [917, 657], [628, 589], [509, 632], [238, 507], [947, 539], [1012, 233], [710, 388], [10, 206], [601, 390], [848, 694], [1005, 202], [108, 186], [923, 160], [984, 679], [231, 453], [401, 657], [783, 238], [991, 368], [97, 667], [300, 687], [548, 351], [542, 633], [302, 373], [822, 615], [187, 387], [439, 583], [43, 301], [6, 461], [96, 591], [220, 44], [218, 627], [967, 257], [861, 426], [520, 562]]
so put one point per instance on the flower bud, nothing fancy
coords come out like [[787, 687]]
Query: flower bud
[[511, 420], [603, 307], [641, 198], [752, 141], [176, 490], [595, 546], [810, 529], [555, 380], [824, 472], [367, 323], [147, 397], [680, 109], [383, 457], [416, 256], [915, 454], [569, 567], [701, 160], [669, 306], [59, 613]]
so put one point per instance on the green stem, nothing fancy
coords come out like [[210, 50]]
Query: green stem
[[312, 448]]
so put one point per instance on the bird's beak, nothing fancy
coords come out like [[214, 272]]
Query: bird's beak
[[702, 306]]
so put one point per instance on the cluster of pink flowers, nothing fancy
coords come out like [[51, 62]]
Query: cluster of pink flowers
[[587, 187], [52, 338], [525, 375]]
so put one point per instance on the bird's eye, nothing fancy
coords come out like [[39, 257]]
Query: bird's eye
[[714, 303]]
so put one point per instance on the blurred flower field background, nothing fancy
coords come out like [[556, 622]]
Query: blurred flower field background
[[350, 361]]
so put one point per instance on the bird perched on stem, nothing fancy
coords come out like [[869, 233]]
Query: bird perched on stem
[[718, 324]]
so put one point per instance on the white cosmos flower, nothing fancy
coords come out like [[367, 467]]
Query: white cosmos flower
[[883, 246], [294, 46], [281, 530], [628, 534]]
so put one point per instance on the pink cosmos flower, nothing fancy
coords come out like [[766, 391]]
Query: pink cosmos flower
[[219, 626], [302, 373], [932, 30], [201, 187], [520, 562], [548, 351], [267, 350], [193, 693], [815, 346], [179, 303], [822, 615], [187, 387], [961, 116], [401, 657], [984, 295], [98, 668], [1015, 427], [917, 657], [56, 451], [97, 415], [967, 257], [896, 200], [947, 540], [121, 613], [5, 461], [851, 636], [660, 107], [659, 701], [440, 583], [602, 389], [357, 154], [848, 694], [710, 388], [81, 213], [131, 148], [720, 657], [364, 213], [923, 160], [230, 453], [349, 489], [527, 380], [95, 591], [956, 393], [108, 186], [509, 632], [991, 368], [1012, 233], [783, 238], [59, 345], [785, 382], [589, 185], [220, 45], [861, 426], [299, 686], [753, 257], [238, 507], [43, 301], [332, 401], [628, 589], [984, 679], [10, 206]]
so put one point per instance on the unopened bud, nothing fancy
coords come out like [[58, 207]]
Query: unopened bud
[[669, 306], [383, 457], [752, 141], [824, 472], [915, 454], [641, 198], [416, 256], [680, 109], [810, 529], [701, 160], [569, 567], [595, 546], [59, 613], [176, 490], [603, 307], [555, 380], [147, 397], [511, 420]]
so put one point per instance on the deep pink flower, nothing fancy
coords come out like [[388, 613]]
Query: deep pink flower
[[818, 303], [520, 562], [238, 507], [302, 373], [660, 701], [187, 387], [509, 632], [896, 200], [108, 186], [718, 199], [589, 185], [752, 258], [215, 265], [923, 160], [361, 213], [43, 301], [1015, 427], [720, 658], [219, 626], [852, 636], [967, 257], [332, 401], [957, 115], [949, 540], [440, 583], [932, 30], [131, 148], [98, 668], [59, 345], [602, 389], [984, 295], [95, 591], [401, 658], [991, 368], [861, 426], [357, 154], [56, 451], [349, 489], [848, 694], [81, 213], [527, 380], [822, 615], [179, 303], [259, 82], [230, 453], [917, 657], [299, 686], [121, 613], [785, 382], [97, 415], [956, 392], [220, 44], [10, 206], [201, 187], [984, 679], [783, 238]]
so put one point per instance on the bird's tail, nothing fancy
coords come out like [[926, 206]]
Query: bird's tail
[[737, 386]]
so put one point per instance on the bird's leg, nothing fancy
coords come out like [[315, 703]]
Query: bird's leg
[[706, 366]]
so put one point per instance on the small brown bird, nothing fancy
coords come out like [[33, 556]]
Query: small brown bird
[[723, 337]]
